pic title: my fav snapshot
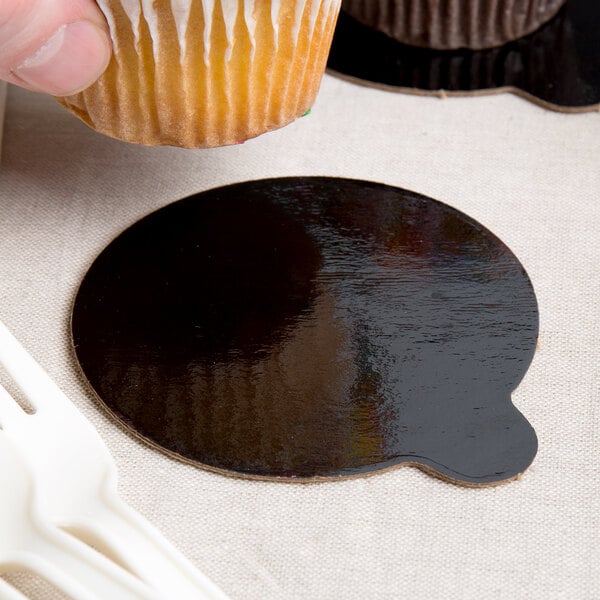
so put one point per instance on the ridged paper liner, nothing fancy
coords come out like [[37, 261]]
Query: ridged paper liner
[[204, 73], [450, 24]]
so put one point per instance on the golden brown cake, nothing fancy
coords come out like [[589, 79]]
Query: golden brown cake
[[204, 73], [450, 24]]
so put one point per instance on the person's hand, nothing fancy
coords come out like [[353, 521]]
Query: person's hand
[[54, 46]]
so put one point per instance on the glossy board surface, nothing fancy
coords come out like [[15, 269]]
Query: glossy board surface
[[558, 66], [311, 328]]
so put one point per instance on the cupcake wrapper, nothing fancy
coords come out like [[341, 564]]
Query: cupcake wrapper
[[451, 24], [204, 73]]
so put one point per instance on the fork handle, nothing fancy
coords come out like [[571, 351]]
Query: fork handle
[[79, 571], [139, 545], [8, 592]]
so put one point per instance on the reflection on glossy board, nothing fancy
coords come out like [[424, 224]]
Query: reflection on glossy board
[[311, 328], [558, 66]]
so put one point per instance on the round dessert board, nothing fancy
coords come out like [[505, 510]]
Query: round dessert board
[[313, 328], [557, 67]]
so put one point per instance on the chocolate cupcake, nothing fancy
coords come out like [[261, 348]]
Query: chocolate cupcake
[[451, 24]]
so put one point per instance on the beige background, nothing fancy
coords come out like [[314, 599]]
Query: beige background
[[530, 175], [3, 88]]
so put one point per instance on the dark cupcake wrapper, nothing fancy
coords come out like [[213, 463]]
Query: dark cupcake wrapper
[[451, 24]]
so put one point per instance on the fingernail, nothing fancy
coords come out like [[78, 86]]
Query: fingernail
[[69, 61]]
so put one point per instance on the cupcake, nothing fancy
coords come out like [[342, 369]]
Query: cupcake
[[205, 73], [451, 24]]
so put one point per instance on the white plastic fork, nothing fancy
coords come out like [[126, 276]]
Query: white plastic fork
[[77, 481], [8, 592], [27, 541]]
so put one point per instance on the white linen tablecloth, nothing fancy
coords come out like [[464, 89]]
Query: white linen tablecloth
[[530, 175]]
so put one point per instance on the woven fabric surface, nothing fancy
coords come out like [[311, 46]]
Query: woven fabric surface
[[530, 175]]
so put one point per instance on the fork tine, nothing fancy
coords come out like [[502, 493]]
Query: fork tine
[[9, 409], [33, 381], [8, 592]]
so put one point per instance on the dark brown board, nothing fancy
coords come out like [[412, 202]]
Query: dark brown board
[[557, 66], [311, 328]]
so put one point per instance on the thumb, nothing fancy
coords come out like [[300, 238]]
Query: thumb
[[54, 46]]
